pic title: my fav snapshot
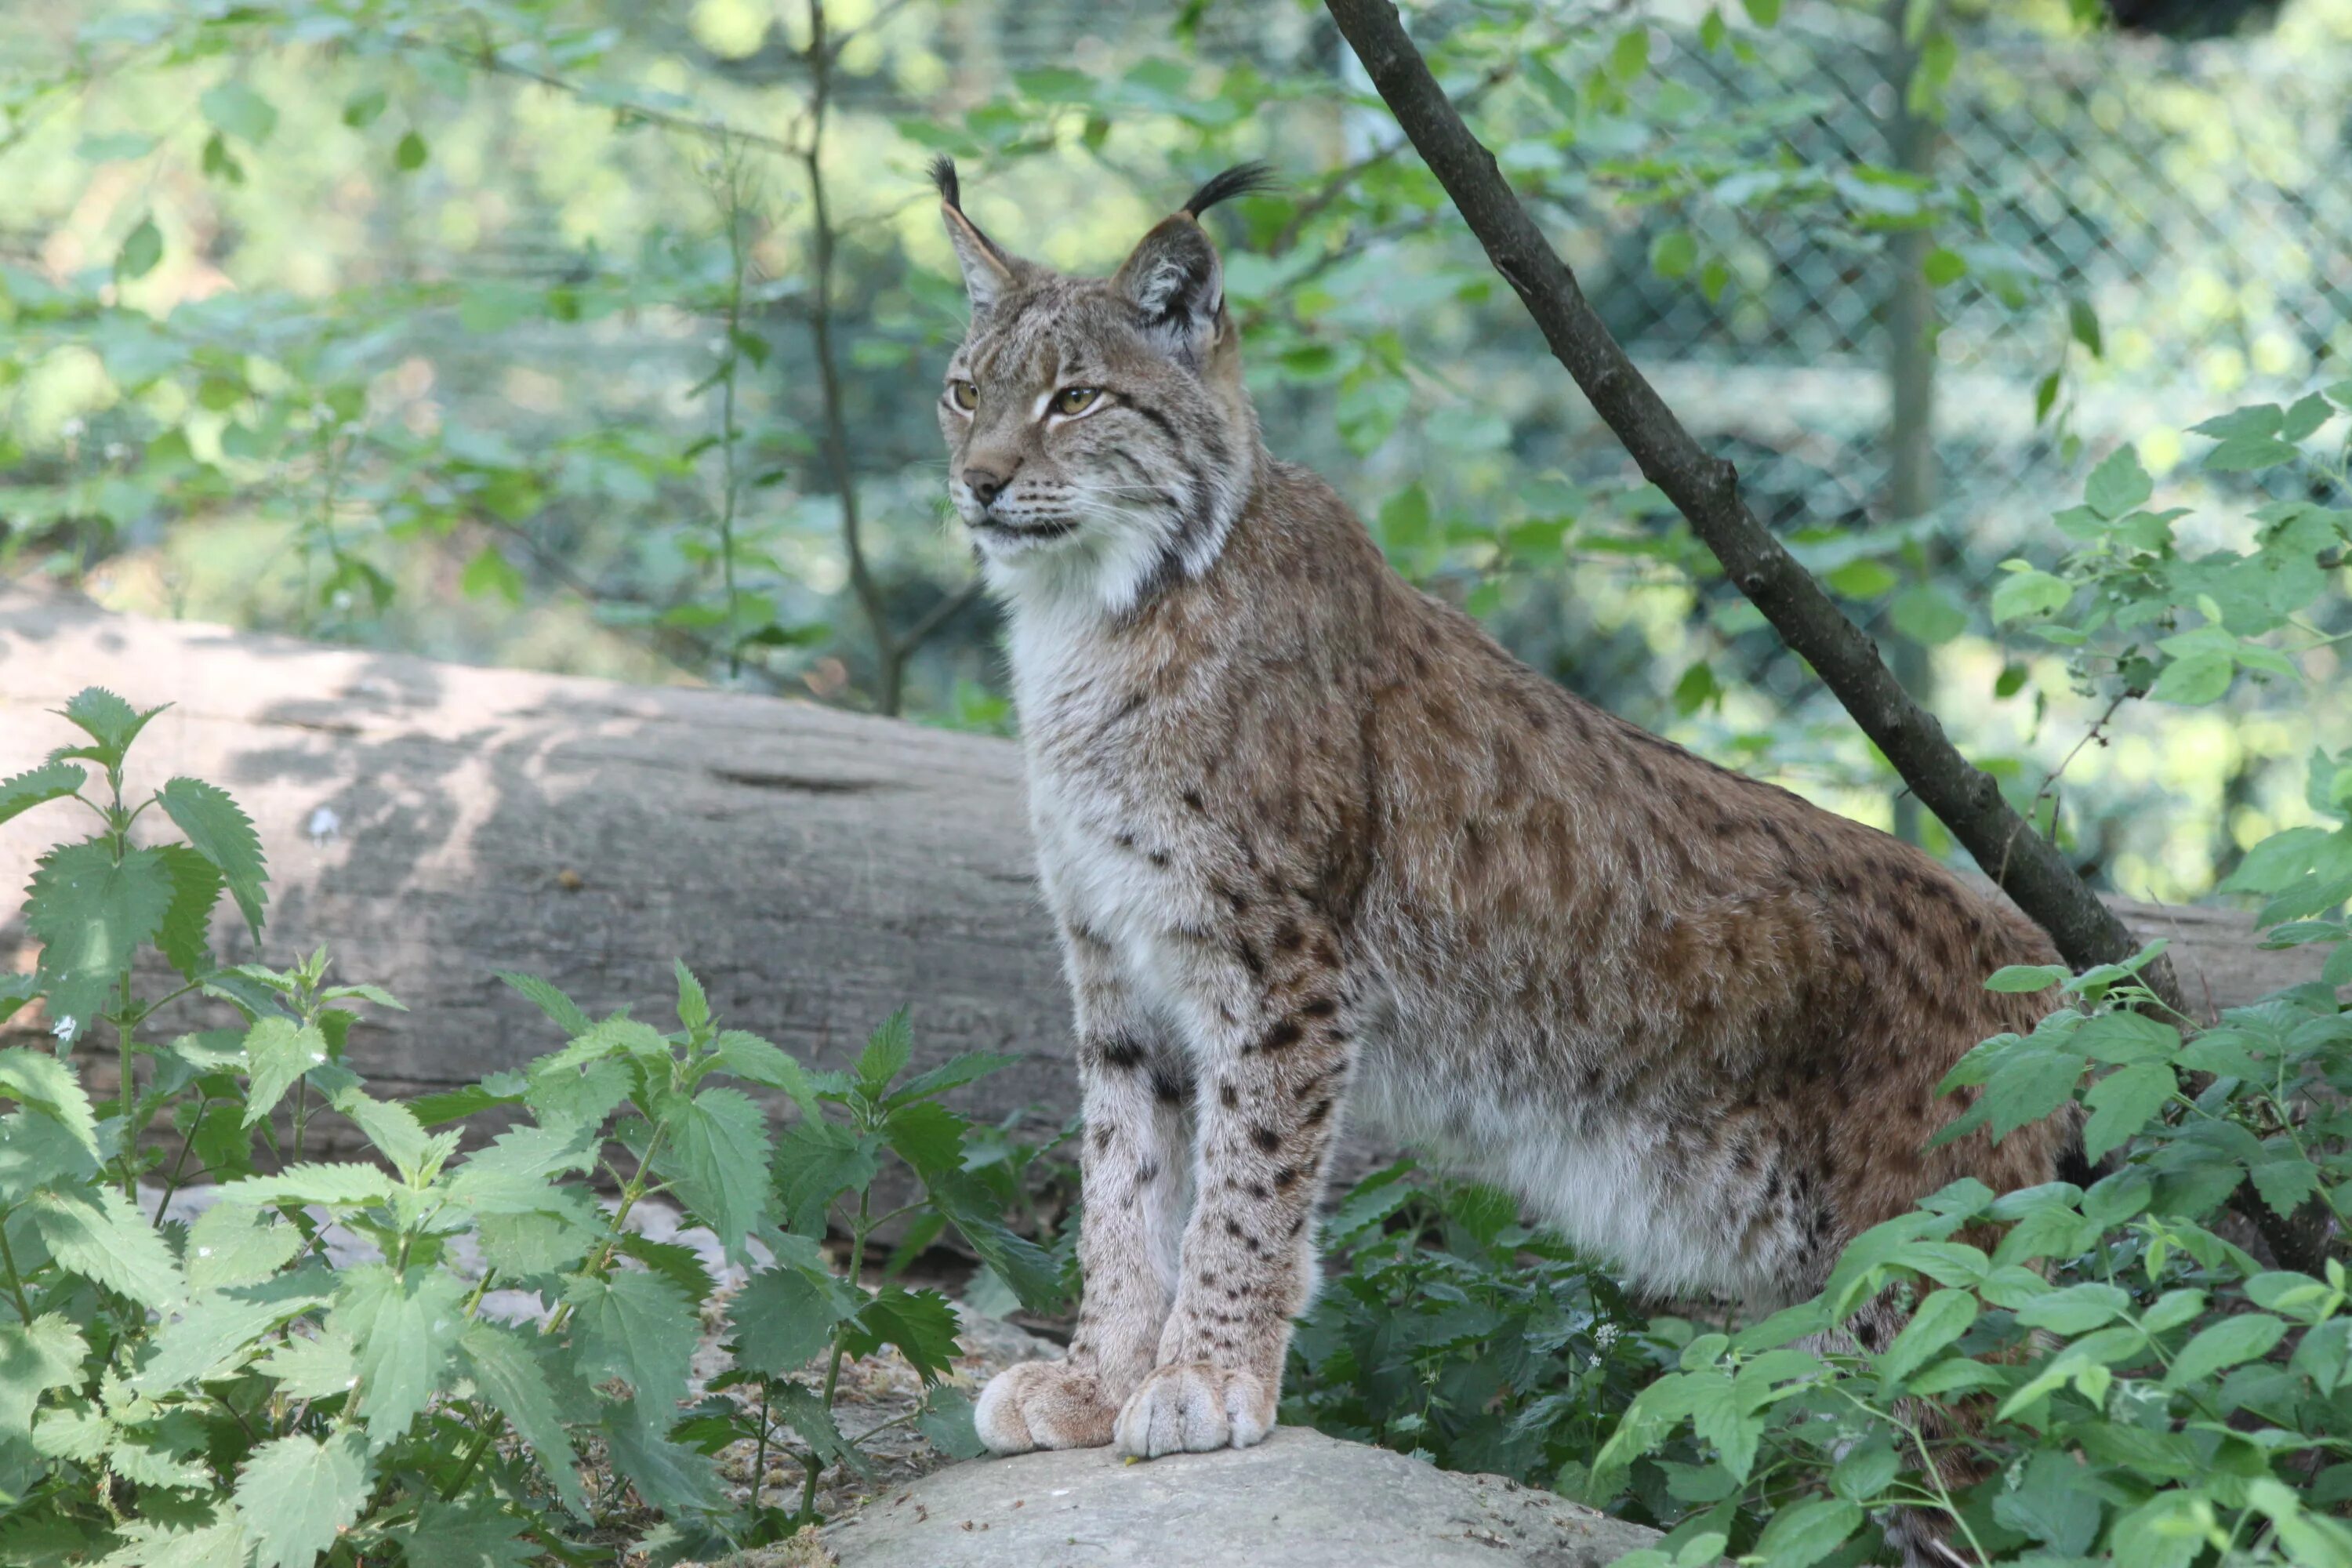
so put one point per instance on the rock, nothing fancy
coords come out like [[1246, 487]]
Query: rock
[[1300, 1500]]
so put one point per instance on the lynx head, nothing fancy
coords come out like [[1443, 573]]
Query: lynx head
[[1099, 439]]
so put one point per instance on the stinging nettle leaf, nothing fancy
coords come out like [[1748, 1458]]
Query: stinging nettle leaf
[[96, 1234], [221, 832], [91, 916], [296, 1495], [53, 781], [507, 1373]]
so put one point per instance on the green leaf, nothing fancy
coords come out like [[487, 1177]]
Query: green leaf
[[410, 154], [41, 1082], [1929, 615], [2225, 1344], [2193, 682], [91, 916], [474, 1533], [217, 1333], [1938, 1320], [490, 573], [2076, 1309], [1021, 1263], [224, 835], [143, 247], [332, 1186], [232, 1245], [296, 1495], [96, 1232], [109, 723], [2122, 1102], [565, 1012], [2026, 978], [1629, 57], [715, 1143], [403, 1325], [1674, 253], [928, 1136], [639, 1328], [815, 1161], [693, 1005], [953, 1073], [919, 1322], [1803, 1534], [2119, 485], [2241, 454], [2023, 595], [755, 1060], [885, 1056], [239, 110], [1763, 13], [509, 1375], [2082, 323], [674, 1479], [392, 1127], [2306, 416], [361, 109], [36, 1357], [946, 1421], [783, 1316], [1943, 267], [312, 1367], [52, 781], [184, 936], [278, 1051], [1862, 579]]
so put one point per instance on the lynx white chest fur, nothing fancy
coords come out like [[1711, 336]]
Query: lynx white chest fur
[[1315, 844]]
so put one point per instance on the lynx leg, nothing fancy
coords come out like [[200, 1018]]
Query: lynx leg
[[1271, 1082], [1135, 1086]]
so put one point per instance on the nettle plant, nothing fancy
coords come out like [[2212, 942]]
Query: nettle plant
[[1451, 1331], [2132, 1385], [306, 1373]]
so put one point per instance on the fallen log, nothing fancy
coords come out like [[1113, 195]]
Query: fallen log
[[433, 822]]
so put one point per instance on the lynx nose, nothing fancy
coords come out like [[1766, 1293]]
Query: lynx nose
[[986, 484]]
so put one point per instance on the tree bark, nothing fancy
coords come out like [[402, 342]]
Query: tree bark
[[2026, 867]]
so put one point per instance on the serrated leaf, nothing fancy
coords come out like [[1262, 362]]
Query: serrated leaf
[[296, 1495], [232, 1245], [888, 1051], [816, 1161], [2225, 1344], [312, 1367], [928, 1136], [186, 932], [96, 1232], [921, 1323], [91, 916], [565, 1012], [332, 1186], [2193, 682], [1944, 1316], [1803, 1534], [801, 1409], [392, 1128], [2118, 485], [215, 1336], [36, 1357], [755, 1060], [782, 1317], [44, 1084], [1021, 1263], [693, 1005], [2122, 1102], [674, 1479], [474, 1533], [278, 1051], [711, 1145], [639, 1328], [403, 1324], [509, 1375], [110, 722], [53, 781], [219, 831]]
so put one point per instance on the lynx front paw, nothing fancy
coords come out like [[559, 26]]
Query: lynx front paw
[[1192, 1407], [1042, 1404]]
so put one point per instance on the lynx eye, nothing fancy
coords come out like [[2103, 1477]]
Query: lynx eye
[[1076, 399], [964, 394]]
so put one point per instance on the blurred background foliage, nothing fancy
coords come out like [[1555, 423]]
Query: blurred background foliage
[[604, 336]]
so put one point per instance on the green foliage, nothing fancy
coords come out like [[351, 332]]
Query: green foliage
[[1456, 1333], [223, 1392]]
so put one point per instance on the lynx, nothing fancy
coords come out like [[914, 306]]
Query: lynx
[[1316, 845]]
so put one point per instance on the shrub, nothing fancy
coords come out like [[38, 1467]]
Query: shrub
[[225, 1393]]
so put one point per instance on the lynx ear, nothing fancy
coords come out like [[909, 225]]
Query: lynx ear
[[1173, 277], [988, 268]]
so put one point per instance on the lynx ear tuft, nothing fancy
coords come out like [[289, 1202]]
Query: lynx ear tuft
[[989, 269], [1240, 180]]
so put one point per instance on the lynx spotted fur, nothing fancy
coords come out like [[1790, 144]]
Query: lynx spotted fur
[[1315, 843]]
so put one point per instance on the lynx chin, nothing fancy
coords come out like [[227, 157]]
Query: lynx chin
[[1317, 846]]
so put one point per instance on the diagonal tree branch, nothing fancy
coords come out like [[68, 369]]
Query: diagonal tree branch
[[2029, 867]]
